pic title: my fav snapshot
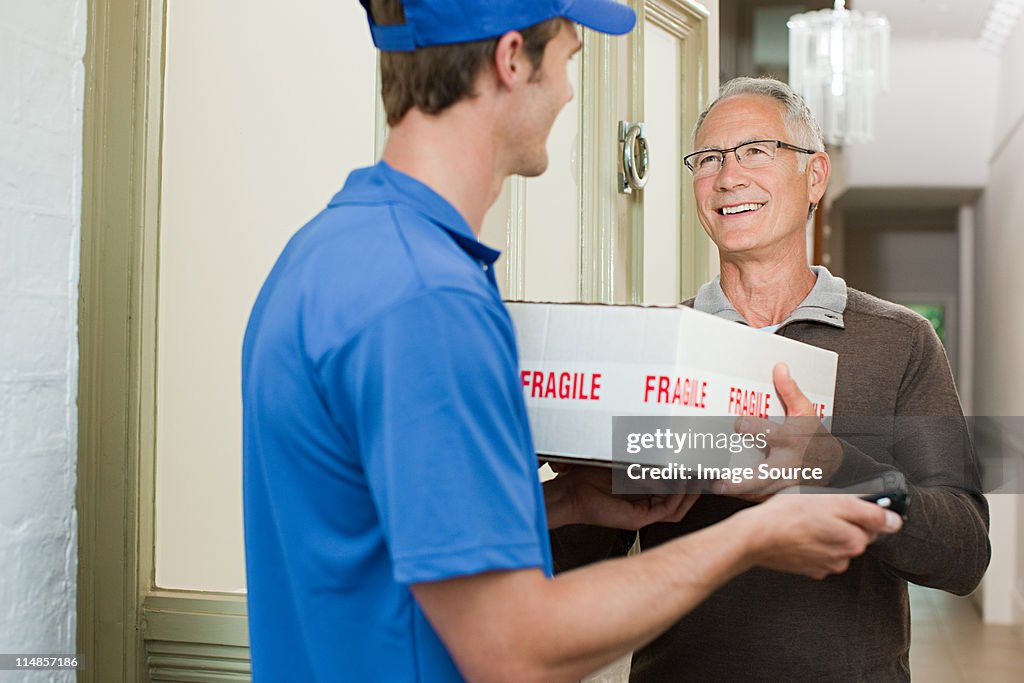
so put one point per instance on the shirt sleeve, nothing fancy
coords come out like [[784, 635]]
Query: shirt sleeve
[[439, 422], [944, 543]]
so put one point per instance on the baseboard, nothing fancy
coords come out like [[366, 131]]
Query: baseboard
[[171, 662], [196, 638], [1018, 612]]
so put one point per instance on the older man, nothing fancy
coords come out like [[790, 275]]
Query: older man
[[758, 173]]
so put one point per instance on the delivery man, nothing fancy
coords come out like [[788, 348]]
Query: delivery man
[[395, 526]]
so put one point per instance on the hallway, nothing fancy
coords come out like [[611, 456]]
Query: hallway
[[951, 645]]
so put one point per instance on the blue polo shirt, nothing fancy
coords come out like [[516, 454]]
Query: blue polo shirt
[[385, 436]]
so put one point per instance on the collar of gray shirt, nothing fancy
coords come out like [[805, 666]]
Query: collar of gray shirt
[[824, 304]]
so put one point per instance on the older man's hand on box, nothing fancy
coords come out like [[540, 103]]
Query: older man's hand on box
[[800, 450]]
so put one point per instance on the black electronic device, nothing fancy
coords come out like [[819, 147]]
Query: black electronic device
[[888, 490]]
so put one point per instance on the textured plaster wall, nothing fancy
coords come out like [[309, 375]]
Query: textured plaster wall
[[42, 43]]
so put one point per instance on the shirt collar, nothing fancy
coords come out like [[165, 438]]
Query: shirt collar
[[825, 303], [382, 184]]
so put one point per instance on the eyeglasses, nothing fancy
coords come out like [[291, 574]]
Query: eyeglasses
[[755, 154]]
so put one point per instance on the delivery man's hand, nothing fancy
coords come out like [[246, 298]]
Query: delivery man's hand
[[799, 446], [583, 495], [816, 535]]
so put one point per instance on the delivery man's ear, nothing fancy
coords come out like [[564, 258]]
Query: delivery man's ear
[[510, 60]]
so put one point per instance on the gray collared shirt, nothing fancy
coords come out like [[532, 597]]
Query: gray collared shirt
[[825, 303]]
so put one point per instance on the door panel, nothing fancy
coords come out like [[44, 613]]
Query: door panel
[[266, 109]]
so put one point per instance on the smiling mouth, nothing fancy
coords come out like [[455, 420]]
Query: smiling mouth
[[739, 208]]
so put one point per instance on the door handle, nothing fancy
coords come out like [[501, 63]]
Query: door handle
[[635, 157]]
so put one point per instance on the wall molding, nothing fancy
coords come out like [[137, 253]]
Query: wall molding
[[598, 226], [196, 636], [123, 67], [174, 662], [515, 239]]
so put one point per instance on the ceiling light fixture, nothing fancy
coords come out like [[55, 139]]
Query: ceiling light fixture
[[839, 62]]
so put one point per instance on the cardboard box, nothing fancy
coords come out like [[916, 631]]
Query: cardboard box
[[583, 364]]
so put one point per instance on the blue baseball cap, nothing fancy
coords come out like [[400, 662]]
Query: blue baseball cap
[[442, 22]]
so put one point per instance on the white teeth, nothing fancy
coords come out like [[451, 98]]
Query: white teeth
[[727, 210]]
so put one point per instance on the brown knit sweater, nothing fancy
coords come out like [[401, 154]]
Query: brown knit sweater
[[769, 626]]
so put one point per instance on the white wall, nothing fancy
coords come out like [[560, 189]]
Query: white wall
[[934, 128], [951, 108], [999, 367], [41, 86]]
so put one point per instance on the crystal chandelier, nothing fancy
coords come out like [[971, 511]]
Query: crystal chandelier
[[839, 62]]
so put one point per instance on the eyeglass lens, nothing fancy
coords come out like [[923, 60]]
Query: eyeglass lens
[[750, 155]]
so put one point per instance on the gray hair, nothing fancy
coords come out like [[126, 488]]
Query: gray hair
[[800, 124]]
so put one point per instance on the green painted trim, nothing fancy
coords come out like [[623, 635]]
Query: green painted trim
[[117, 323], [197, 601], [196, 662], [117, 167], [193, 636], [193, 617]]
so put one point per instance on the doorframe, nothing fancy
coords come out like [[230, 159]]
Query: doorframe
[[129, 631], [121, 80]]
